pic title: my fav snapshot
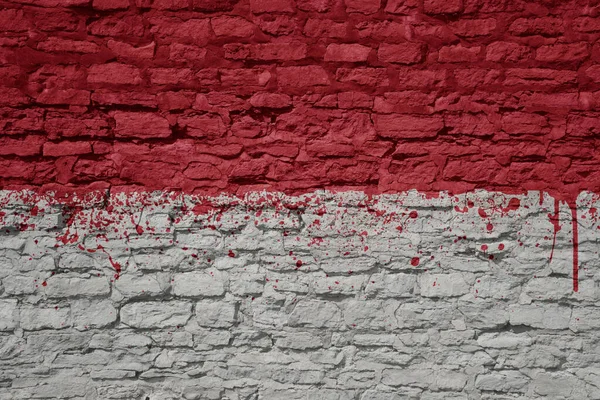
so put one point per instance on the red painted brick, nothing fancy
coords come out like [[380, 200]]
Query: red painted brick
[[184, 53], [268, 6], [315, 5], [232, 26], [547, 26], [192, 31], [301, 77], [30, 145], [403, 7], [362, 6], [74, 46], [270, 100], [64, 96], [171, 76], [507, 52], [125, 51], [363, 76], [523, 123], [266, 52], [403, 53], [110, 4], [173, 5], [202, 126], [347, 52], [573, 52], [66, 149], [114, 73], [117, 26], [201, 171], [324, 28], [442, 6], [459, 53], [141, 125], [398, 126], [586, 24], [473, 27], [169, 101]]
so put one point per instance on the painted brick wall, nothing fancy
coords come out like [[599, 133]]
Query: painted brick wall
[[299, 199]]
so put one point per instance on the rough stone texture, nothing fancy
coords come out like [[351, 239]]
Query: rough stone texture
[[211, 96], [110, 292], [320, 296]]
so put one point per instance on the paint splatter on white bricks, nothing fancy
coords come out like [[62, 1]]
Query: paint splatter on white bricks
[[322, 296]]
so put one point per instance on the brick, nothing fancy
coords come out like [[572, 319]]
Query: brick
[[315, 5], [469, 124], [64, 96], [477, 77], [269, 6], [202, 171], [175, 100], [171, 76], [44, 317], [408, 101], [115, 74], [383, 31], [442, 7], [397, 126], [53, 44], [276, 25], [255, 77], [250, 169], [110, 4], [324, 28], [270, 100], [232, 26], [192, 31], [523, 123], [215, 314], [266, 52], [409, 78], [66, 149], [104, 96], [113, 26], [362, 6], [404, 53], [194, 284], [214, 5], [574, 52], [95, 169], [347, 52], [173, 5], [128, 52], [141, 125], [507, 52], [156, 314], [186, 53], [539, 77], [586, 24], [13, 20], [324, 148], [473, 27], [202, 126], [12, 97], [28, 146], [354, 100], [459, 53], [304, 76], [363, 76], [247, 127], [63, 126], [547, 26], [402, 7]]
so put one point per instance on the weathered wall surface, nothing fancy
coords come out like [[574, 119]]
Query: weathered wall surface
[[323, 296], [453, 255]]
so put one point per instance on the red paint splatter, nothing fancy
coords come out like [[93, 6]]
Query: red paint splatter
[[501, 246], [231, 254], [415, 261], [413, 214]]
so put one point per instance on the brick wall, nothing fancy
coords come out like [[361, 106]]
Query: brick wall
[[354, 199]]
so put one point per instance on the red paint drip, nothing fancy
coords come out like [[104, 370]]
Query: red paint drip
[[555, 220], [575, 249]]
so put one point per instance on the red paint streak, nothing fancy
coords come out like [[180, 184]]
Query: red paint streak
[[114, 264], [555, 220], [575, 248]]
